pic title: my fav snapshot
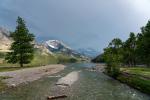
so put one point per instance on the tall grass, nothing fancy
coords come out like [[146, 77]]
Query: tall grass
[[40, 59]]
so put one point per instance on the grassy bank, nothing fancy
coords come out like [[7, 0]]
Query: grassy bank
[[138, 78], [40, 59], [66, 59], [3, 86], [145, 72]]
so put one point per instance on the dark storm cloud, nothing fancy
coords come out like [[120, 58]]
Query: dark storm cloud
[[79, 23]]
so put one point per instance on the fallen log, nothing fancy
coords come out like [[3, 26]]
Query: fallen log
[[62, 84], [56, 97]]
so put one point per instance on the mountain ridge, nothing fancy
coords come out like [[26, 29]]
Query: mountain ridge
[[48, 47]]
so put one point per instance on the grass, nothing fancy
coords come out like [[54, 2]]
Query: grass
[[39, 60], [136, 82], [66, 59], [3, 86], [4, 69], [136, 77], [145, 72]]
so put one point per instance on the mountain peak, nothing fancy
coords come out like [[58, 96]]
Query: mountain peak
[[56, 45]]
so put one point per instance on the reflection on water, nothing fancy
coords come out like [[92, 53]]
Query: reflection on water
[[90, 86]]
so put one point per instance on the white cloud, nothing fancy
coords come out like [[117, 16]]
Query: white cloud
[[141, 6]]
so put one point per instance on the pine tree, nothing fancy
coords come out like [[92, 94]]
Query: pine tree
[[144, 44], [22, 49], [130, 50]]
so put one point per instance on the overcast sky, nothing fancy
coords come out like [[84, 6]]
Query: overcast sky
[[78, 23]]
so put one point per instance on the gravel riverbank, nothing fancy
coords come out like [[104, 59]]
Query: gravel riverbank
[[30, 74]]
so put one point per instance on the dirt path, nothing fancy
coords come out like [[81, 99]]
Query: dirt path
[[30, 74]]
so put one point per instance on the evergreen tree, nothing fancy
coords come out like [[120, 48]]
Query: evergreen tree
[[144, 44], [130, 50], [113, 57], [22, 49]]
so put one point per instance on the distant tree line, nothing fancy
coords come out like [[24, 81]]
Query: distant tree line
[[99, 59], [134, 51]]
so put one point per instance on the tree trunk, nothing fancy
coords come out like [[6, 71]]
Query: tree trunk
[[21, 60], [21, 64]]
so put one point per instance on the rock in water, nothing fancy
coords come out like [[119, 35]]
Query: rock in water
[[69, 79]]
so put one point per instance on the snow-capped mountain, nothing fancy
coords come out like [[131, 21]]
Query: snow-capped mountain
[[57, 46], [88, 52]]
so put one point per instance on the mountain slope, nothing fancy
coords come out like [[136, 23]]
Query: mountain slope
[[5, 40], [42, 49]]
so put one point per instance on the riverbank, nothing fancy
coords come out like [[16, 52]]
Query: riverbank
[[29, 74], [138, 78]]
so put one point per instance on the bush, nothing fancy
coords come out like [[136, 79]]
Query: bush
[[66, 59], [73, 60], [113, 70]]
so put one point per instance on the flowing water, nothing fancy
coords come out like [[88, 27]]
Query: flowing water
[[90, 86]]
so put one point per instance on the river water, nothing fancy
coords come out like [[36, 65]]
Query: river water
[[90, 86]]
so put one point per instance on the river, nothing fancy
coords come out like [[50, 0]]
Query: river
[[90, 86]]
